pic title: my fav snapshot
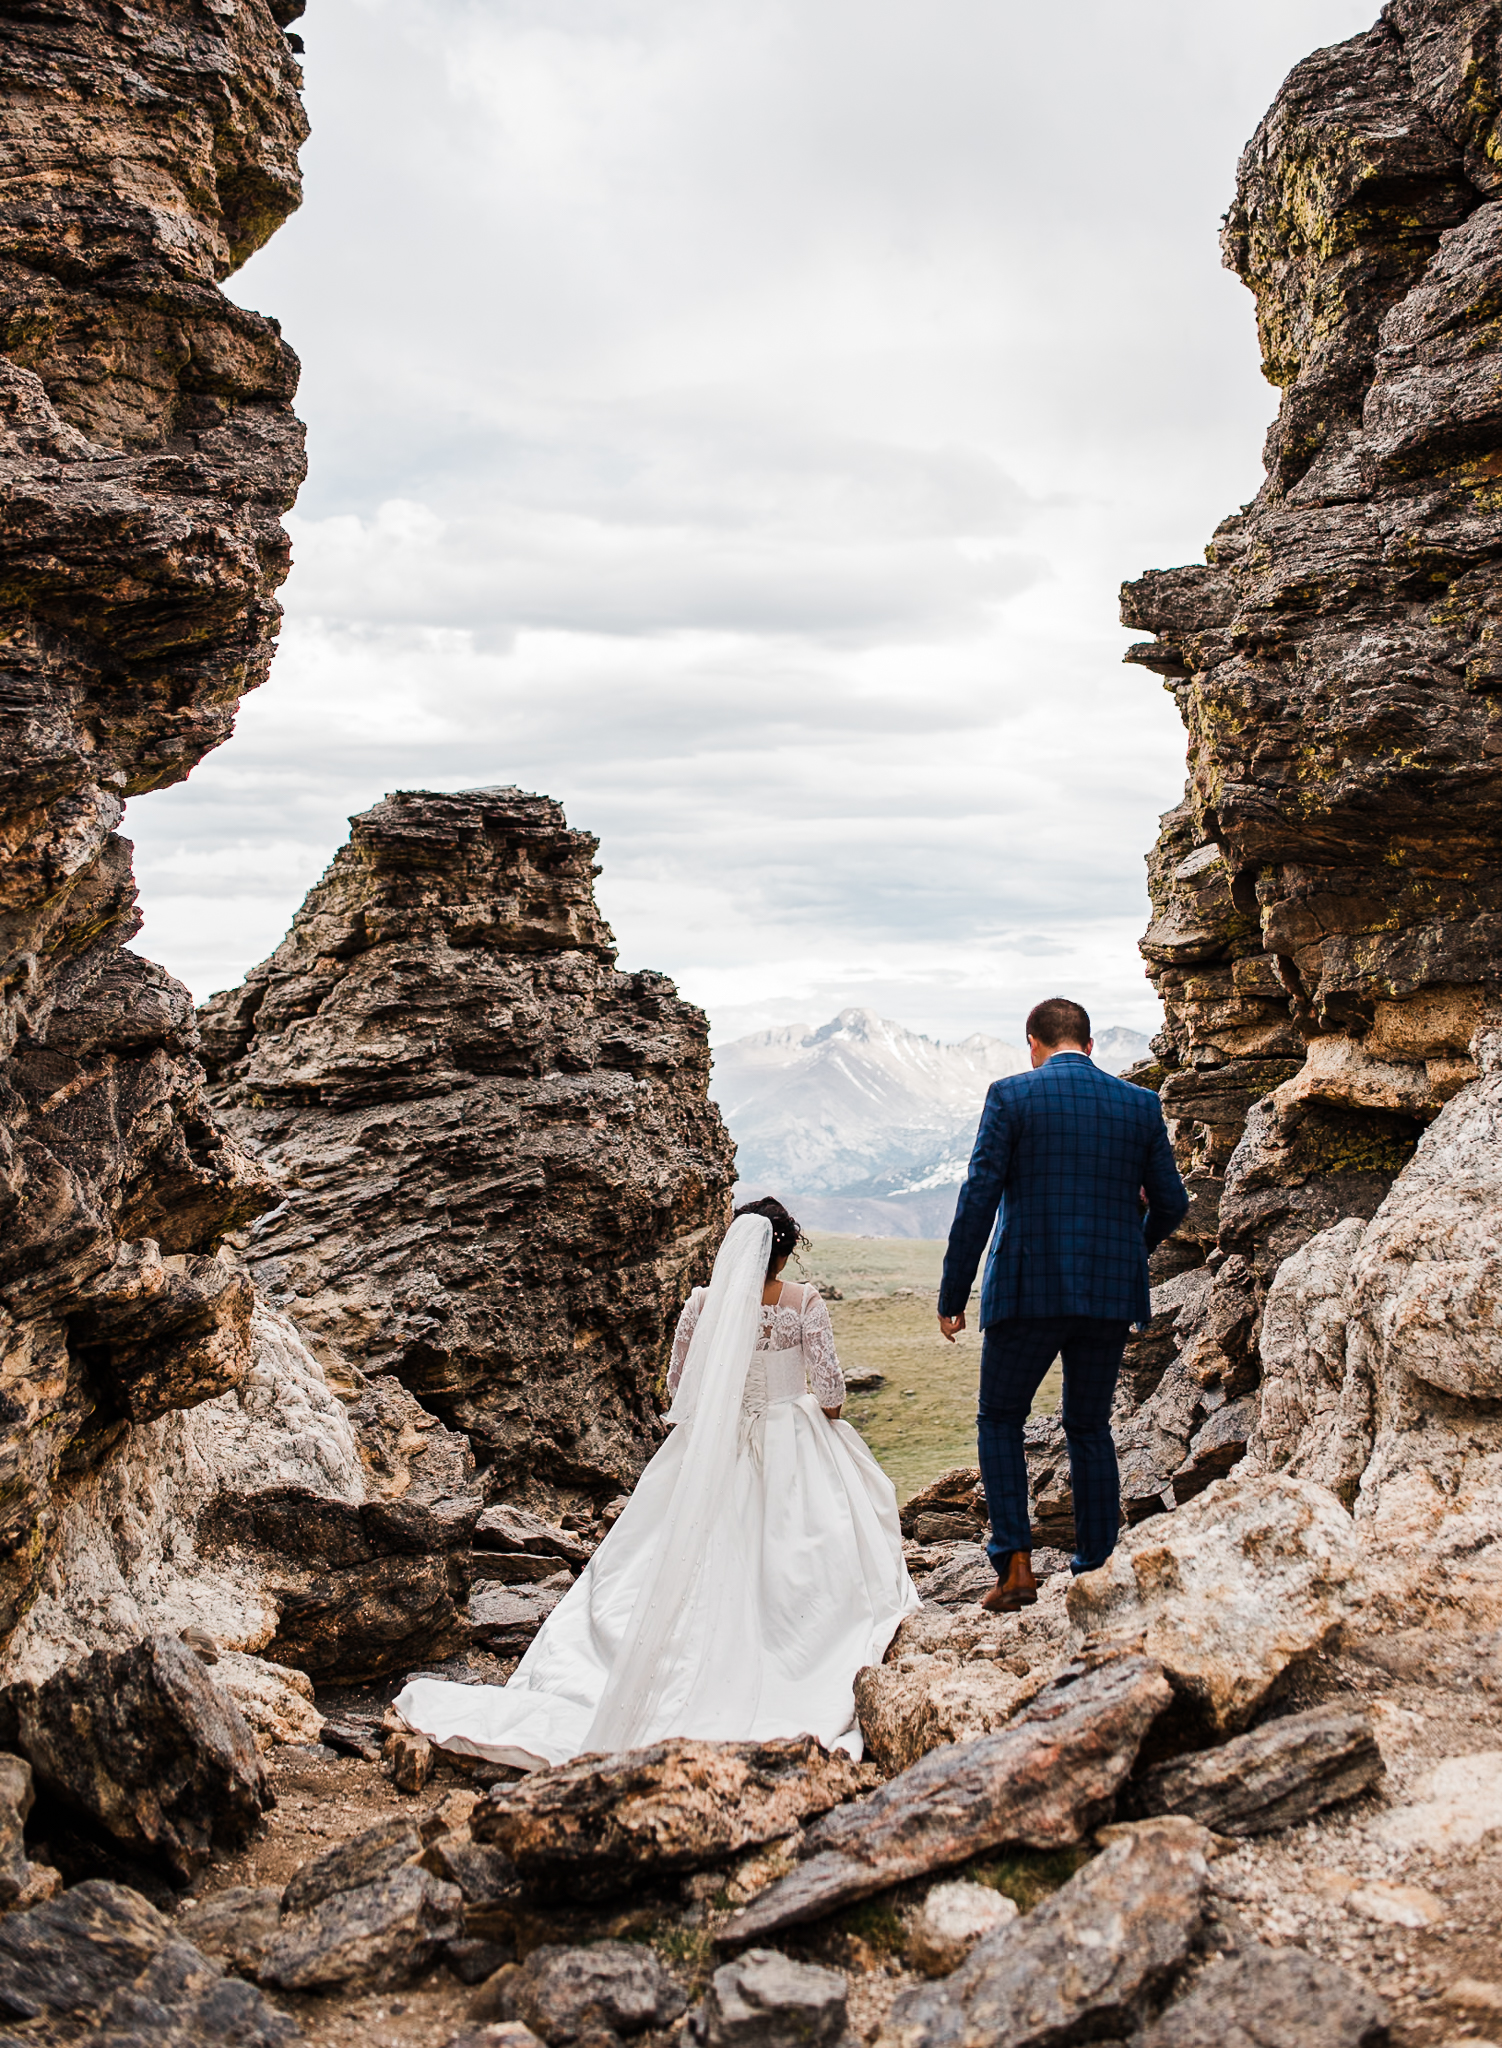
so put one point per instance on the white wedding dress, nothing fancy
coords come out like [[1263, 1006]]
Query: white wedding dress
[[755, 1569]]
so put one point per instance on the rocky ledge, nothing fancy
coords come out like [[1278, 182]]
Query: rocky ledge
[[1326, 898], [147, 452]]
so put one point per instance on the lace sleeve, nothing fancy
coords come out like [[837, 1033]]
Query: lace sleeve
[[824, 1374], [688, 1322]]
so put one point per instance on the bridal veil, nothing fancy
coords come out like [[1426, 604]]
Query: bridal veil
[[681, 1581]]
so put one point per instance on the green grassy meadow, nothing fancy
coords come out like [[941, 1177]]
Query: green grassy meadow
[[922, 1420]]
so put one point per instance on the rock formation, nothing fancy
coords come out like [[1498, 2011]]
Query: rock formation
[[1327, 929], [498, 1172], [148, 450]]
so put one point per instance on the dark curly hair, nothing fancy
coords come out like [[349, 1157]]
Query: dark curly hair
[[786, 1236]]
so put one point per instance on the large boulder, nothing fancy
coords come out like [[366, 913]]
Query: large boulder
[[910, 1708], [375, 1934], [1271, 1778], [332, 1532], [606, 1824], [1086, 1963], [1273, 1998], [1313, 1419], [1227, 1593], [358, 1860], [1043, 1781], [101, 1957], [1426, 1277], [143, 1745], [950, 1674]]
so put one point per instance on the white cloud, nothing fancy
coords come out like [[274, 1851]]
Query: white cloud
[[735, 421]]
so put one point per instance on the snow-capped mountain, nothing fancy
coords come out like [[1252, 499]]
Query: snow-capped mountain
[[1117, 1048], [857, 1100], [862, 1125]]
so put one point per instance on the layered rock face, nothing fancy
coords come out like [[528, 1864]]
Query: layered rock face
[[1327, 930], [147, 451], [497, 1168]]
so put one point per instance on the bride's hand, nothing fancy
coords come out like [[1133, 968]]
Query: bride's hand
[[834, 1414]]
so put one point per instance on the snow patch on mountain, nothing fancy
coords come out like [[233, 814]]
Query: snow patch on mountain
[[865, 1126]]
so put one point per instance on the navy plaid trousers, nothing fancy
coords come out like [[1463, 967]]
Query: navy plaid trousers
[[1015, 1355]]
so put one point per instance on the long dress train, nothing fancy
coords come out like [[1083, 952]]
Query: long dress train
[[797, 1580]]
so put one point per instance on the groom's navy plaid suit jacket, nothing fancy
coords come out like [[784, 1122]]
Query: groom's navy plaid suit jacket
[[1061, 1152]]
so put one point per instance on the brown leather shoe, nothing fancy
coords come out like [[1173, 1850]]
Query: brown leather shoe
[[1018, 1589]]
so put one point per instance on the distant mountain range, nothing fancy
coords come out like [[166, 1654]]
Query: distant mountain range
[[862, 1125]]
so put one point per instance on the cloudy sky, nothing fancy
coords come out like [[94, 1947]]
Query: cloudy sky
[[734, 418]]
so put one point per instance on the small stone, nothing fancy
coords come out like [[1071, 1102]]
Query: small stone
[[1473, 1994], [1168, 1827], [967, 1576], [409, 1758], [352, 1738], [277, 1702], [950, 1494], [376, 1936], [504, 2034], [505, 1528], [951, 1921], [766, 2000], [451, 1814], [1460, 1803], [1396, 1905], [473, 1960], [906, 1712], [931, 1528], [566, 1994], [15, 1804], [504, 1619]]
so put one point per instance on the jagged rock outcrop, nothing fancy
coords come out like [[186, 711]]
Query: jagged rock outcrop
[[147, 452], [1385, 1379], [1327, 927], [282, 1525], [498, 1170]]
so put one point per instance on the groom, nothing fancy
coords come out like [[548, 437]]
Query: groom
[[1066, 1153]]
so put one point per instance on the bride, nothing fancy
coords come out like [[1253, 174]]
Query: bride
[[755, 1569]]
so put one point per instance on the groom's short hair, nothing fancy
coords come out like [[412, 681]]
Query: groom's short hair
[[1059, 1019]]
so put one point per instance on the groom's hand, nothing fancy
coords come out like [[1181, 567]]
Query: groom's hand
[[948, 1325]]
